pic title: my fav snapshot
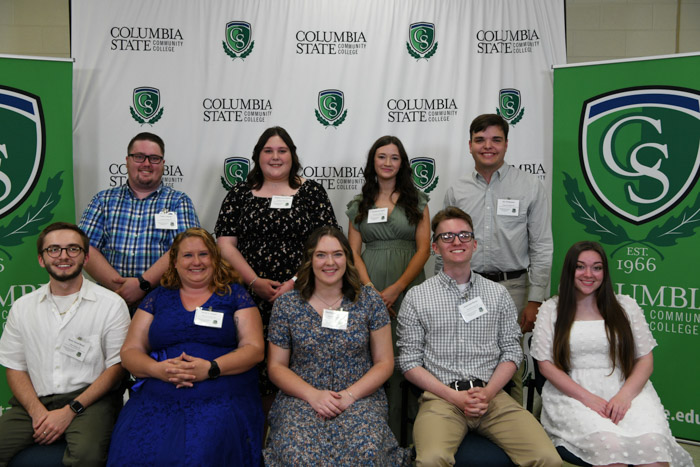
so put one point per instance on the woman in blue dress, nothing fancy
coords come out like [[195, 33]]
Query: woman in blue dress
[[194, 343], [330, 352]]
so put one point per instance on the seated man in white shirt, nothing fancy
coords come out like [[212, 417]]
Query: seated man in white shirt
[[60, 349]]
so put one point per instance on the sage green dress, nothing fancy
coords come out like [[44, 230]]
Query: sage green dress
[[389, 247]]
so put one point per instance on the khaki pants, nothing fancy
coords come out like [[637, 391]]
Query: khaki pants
[[87, 436], [440, 428]]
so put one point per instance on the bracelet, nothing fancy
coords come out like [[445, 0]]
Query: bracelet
[[250, 286], [294, 279], [350, 394]]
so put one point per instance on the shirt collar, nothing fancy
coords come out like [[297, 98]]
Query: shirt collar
[[86, 291], [156, 192], [500, 173], [450, 282]]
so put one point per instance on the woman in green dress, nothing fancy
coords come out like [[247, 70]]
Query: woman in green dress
[[391, 218]]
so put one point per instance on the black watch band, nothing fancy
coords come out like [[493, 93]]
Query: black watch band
[[214, 371], [76, 407], [144, 284]]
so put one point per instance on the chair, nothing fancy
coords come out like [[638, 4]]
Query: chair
[[475, 449], [50, 455]]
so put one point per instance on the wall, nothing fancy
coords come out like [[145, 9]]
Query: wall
[[596, 29]]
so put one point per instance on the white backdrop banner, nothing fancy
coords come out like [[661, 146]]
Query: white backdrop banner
[[210, 76]]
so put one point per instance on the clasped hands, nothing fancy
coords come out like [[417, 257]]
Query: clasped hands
[[269, 290], [329, 404], [473, 402], [615, 409], [183, 371]]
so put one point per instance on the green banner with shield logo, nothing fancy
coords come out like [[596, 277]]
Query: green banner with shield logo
[[626, 166], [36, 171]]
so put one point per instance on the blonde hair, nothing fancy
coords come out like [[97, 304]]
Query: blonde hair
[[224, 274]]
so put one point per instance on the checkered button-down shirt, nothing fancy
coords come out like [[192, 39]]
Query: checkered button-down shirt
[[123, 227], [432, 333]]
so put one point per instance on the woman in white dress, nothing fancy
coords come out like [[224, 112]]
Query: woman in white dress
[[594, 348]]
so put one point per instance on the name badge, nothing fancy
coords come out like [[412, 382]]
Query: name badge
[[281, 202], [208, 318], [375, 216], [75, 347], [472, 309], [508, 207], [166, 220], [335, 319]]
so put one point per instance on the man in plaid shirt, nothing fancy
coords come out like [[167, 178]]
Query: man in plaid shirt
[[459, 341], [131, 227]]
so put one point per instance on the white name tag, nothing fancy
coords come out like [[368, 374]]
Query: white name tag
[[472, 309], [335, 319], [508, 207], [75, 347], [208, 318], [375, 216], [166, 220], [281, 202]]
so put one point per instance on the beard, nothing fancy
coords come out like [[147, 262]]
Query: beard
[[63, 277]]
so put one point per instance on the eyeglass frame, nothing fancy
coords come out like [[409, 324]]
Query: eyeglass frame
[[454, 236], [61, 248], [137, 156]]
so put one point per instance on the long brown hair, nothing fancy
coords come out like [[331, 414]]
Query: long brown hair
[[306, 280], [408, 193], [255, 177], [617, 325], [224, 274]]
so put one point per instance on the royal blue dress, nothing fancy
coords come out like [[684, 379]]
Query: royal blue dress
[[216, 422]]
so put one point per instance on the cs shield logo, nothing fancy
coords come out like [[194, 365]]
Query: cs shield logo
[[238, 43], [146, 107], [330, 111], [423, 170], [421, 40], [509, 106], [235, 170], [22, 149], [640, 149]]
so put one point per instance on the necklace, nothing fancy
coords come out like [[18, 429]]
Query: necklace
[[329, 305]]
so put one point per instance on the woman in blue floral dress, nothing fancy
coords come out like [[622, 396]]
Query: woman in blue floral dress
[[330, 352]]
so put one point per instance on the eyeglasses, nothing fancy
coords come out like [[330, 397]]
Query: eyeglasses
[[152, 158], [54, 251], [449, 237]]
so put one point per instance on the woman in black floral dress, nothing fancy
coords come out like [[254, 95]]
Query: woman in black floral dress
[[265, 220]]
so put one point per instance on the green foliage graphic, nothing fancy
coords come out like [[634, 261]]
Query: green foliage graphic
[[34, 217]]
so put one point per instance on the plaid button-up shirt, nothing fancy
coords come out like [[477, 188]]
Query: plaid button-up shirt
[[123, 227], [432, 333]]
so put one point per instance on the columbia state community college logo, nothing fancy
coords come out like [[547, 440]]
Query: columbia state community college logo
[[22, 153], [331, 108], [421, 40], [146, 108], [640, 154], [22, 149], [509, 106], [238, 42], [424, 173], [235, 170]]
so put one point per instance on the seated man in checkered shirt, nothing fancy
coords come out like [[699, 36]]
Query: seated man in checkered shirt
[[459, 341]]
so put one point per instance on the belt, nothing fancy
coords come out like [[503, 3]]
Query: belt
[[502, 276], [466, 385]]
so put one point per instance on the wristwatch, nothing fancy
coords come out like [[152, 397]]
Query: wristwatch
[[144, 284], [76, 407], [214, 371]]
